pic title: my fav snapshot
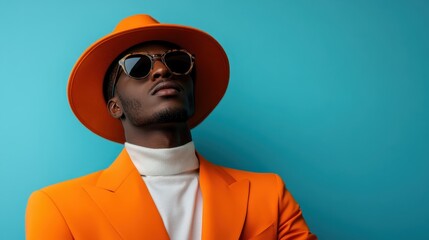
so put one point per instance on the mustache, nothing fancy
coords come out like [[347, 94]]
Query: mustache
[[166, 83]]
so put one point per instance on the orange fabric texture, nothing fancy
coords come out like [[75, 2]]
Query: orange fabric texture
[[115, 204]]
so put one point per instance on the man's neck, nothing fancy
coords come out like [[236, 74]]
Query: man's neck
[[159, 136]]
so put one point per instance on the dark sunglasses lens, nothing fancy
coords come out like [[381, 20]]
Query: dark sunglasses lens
[[178, 62], [137, 66]]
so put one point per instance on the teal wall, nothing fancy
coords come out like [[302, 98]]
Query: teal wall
[[332, 95]]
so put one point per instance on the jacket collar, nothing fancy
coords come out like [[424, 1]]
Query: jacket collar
[[224, 202], [123, 197]]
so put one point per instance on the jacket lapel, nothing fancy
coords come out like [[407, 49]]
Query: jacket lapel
[[124, 199], [224, 202]]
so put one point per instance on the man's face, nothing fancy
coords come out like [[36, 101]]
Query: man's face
[[159, 98]]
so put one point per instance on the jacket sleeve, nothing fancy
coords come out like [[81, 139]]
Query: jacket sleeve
[[43, 219], [291, 223]]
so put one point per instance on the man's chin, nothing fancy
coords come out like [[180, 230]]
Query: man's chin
[[170, 115]]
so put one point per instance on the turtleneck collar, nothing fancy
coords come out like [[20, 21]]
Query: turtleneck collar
[[163, 161]]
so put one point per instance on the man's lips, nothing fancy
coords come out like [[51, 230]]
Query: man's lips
[[166, 87]]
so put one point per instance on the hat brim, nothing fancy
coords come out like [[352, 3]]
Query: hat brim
[[85, 87]]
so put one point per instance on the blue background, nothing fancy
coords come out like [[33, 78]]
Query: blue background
[[332, 95]]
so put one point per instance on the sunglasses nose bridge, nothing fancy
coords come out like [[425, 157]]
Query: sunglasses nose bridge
[[157, 58], [159, 68]]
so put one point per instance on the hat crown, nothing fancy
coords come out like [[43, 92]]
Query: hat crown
[[135, 21]]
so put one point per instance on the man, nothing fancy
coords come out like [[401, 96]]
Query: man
[[158, 81]]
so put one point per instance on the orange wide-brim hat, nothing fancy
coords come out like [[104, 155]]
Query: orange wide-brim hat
[[85, 86]]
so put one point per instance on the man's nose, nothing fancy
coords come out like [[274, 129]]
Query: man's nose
[[159, 70]]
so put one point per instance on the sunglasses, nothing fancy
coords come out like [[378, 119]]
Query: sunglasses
[[139, 65]]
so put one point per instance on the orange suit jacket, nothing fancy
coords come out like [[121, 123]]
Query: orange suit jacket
[[115, 204]]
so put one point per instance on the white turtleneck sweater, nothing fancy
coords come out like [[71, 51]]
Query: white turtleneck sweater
[[171, 176]]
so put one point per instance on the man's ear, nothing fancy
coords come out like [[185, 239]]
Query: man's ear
[[115, 108]]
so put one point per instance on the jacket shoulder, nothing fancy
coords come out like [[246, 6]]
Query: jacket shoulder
[[69, 189], [48, 208], [272, 204], [253, 177]]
